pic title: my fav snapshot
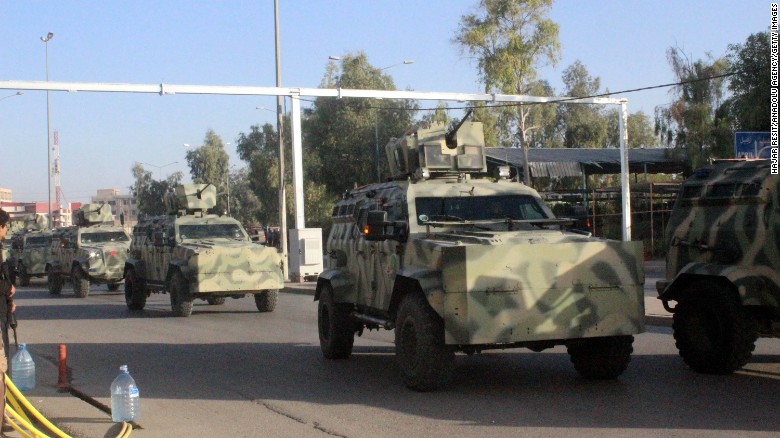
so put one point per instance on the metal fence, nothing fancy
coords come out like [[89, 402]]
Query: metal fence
[[599, 211]]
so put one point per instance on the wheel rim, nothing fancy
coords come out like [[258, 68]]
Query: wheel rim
[[706, 329]]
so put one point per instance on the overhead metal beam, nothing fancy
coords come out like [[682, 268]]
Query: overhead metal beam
[[170, 89]]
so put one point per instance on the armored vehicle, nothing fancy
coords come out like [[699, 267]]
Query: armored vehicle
[[456, 261], [191, 254], [92, 252], [723, 264], [30, 249]]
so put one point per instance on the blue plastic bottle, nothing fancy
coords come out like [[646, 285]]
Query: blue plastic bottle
[[125, 399], [23, 369]]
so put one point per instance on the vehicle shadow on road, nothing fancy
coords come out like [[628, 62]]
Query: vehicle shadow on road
[[517, 388]]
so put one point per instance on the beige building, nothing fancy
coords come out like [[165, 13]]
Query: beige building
[[6, 195], [122, 206]]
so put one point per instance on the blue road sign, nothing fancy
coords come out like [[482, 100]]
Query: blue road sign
[[751, 144]]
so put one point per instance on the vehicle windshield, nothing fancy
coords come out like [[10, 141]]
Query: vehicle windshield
[[479, 208], [211, 231], [104, 236], [38, 241]]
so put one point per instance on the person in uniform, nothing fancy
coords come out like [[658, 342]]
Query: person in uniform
[[7, 306]]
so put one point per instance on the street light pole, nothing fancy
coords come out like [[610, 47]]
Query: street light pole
[[282, 196], [18, 93], [227, 180], [46, 40], [159, 168]]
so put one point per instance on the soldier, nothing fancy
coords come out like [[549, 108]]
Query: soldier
[[7, 306]]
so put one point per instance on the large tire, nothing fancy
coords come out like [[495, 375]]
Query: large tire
[[713, 332], [181, 300], [266, 300], [113, 287], [135, 291], [54, 281], [601, 358], [80, 282], [336, 326], [24, 278], [216, 301], [425, 362]]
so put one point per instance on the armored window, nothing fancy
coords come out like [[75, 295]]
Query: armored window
[[690, 192], [721, 190], [752, 189], [476, 208], [103, 237], [38, 241], [210, 231], [335, 211]]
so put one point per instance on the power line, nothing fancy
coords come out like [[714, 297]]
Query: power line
[[567, 99]]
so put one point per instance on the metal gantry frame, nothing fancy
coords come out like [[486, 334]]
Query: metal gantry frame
[[295, 93]]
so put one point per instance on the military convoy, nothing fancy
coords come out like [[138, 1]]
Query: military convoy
[[723, 264], [30, 249], [456, 261], [191, 254], [91, 252]]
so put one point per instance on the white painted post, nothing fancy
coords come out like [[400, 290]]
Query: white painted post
[[297, 155], [624, 180]]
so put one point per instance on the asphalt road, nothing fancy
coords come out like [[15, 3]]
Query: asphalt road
[[231, 371]]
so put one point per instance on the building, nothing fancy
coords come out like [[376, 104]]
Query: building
[[17, 210], [122, 206]]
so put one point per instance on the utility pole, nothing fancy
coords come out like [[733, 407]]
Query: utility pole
[[282, 196]]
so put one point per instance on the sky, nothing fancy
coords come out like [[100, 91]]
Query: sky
[[231, 42]]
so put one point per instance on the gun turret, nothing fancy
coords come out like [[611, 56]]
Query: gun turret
[[191, 198], [430, 152], [92, 214]]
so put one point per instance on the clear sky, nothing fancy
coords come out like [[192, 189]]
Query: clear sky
[[199, 42]]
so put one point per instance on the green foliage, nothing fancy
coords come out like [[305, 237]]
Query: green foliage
[[689, 122], [209, 165], [149, 192], [640, 130], [342, 135], [510, 39], [584, 125], [749, 104], [260, 150]]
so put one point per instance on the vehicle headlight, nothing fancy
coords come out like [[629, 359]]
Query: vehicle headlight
[[94, 254]]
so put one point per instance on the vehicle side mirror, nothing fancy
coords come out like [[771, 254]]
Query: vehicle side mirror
[[374, 228]]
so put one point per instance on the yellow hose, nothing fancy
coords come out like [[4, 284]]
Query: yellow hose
[[16, 412], [30, 408]]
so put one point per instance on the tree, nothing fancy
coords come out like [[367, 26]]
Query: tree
[[342, 134], [149, 192], [260, 150], [583, 125], [749, 104], [510, 39], [689, 122], [209, 165], [640, 130]]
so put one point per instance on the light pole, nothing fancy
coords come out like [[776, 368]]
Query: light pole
[[46, 40], [18, 93], [227, 180], [282, 195], [159, 168], [376, 125], [376, 116]]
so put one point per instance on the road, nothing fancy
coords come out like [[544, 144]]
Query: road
[[231, 371]]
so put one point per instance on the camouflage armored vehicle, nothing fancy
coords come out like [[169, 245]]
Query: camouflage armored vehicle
[[92, 252], [456, 261], [190, 254], [723, 264], [30, 249]]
